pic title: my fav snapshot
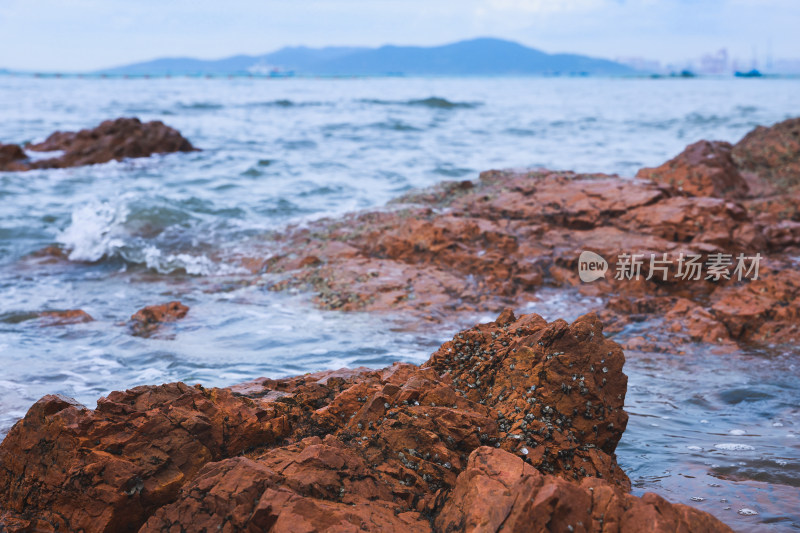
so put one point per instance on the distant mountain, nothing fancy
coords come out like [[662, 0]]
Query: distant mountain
[[476, 57]]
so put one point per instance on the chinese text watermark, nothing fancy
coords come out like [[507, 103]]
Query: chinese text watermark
[[664, 267]]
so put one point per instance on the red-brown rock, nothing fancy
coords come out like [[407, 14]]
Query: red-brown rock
[[497, 243], [111, 140], [772, 154], [395, 449], [11, 157], [398, 449], [109, 469], [499, 492], [148, 319], [315, 485], [558, 390], [766, 310], [63, 318], [467, 247], [702, 169]]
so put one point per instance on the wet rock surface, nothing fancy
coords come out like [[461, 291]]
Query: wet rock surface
[[499, 492], [111, 140], [148, 319], [772, 154], [467, 247], [513, 411], [703, 169], [11, 157], [64, 318], [69, 468], [48, 318]]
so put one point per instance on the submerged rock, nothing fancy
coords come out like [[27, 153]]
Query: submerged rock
[[148, 319], [111, 140], [12, 157], [63, 318], [493, 420]]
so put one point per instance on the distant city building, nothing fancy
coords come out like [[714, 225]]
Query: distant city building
[[715, 64], [641, 64]]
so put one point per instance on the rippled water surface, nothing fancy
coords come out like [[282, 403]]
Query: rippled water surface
[[704, 427]]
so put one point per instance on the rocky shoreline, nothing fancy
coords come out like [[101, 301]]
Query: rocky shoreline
[[468, 247], [511, 426]]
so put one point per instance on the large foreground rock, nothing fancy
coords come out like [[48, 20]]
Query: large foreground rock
[[69, 468], [111, 140], [532, 408]]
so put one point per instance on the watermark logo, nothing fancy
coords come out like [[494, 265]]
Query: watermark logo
[[591, 267], [663, 267]]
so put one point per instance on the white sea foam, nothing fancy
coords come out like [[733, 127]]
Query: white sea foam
[[95, 231], [734, 447], [194, 265]]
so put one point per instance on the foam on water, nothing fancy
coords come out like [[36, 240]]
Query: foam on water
[[94, 231], [195, 265], [734, 447], [105, 231]]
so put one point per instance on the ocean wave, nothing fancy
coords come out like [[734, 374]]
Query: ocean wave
[[143, 110], [102, 231], [394, 125], [200, 106], [285, 102], [522, 132], [194, 265], [701, 119], [433, 102], [452, 171], [95, 232], [299, 144]]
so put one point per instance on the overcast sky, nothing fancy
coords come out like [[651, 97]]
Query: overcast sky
[[74, 35]]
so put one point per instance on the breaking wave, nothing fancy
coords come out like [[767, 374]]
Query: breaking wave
[[102, 231]]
